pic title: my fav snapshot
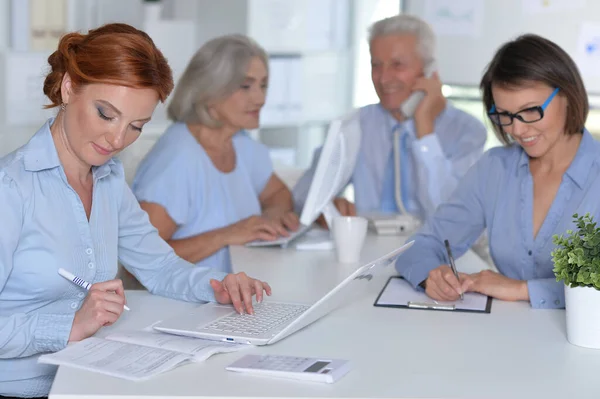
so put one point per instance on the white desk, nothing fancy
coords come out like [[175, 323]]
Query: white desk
[[514, 352]]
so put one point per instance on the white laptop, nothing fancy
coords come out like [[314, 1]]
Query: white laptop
[[272, 320], [333, 171]]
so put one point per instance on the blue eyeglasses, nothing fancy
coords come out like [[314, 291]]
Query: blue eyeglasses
[[528, 115]]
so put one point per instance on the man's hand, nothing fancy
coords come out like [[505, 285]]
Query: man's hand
[[344, 207], [431, 106]]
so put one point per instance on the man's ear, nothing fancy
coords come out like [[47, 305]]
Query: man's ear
[[66, 88]]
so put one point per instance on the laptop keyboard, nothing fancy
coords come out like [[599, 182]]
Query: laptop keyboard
[[267, 316]]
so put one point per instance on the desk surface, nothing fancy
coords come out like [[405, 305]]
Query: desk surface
[[514, 352]]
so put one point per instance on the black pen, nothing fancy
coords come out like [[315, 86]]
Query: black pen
[[452, 265]]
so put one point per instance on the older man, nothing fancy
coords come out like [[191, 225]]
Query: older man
[[435, 146]]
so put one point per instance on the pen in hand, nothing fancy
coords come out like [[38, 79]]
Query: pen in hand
[[79, 281], [452, 265]]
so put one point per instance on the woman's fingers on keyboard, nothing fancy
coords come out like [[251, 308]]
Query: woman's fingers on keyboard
[[268, 227], [232, 286], [279, 228], [267, 288], [258, 290], [263, 235], [240, 288], [246, 286], [290, 221]]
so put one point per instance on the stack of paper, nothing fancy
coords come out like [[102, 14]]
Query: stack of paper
[[137, 355]]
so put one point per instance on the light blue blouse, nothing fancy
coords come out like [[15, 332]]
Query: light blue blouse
[[44, 227], [178, 175], [497, 194]]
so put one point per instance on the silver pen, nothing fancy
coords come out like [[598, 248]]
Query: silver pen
[[428, 305], [452, 265]]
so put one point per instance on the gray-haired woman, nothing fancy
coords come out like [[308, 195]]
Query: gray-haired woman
[[206, 184]]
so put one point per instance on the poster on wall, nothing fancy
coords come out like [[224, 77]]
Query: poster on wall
[[588, 50], [455, 17], [533, 7]]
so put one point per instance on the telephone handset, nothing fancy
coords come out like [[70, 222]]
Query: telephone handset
[[409, 106]]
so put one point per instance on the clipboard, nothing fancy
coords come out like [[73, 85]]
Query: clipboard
[[398, 293]]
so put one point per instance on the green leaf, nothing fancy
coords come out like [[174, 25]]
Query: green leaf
[[576, 257]]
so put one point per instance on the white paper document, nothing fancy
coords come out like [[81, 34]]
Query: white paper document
[[399, 293], [199, 349], [117, 359], [137, 355]]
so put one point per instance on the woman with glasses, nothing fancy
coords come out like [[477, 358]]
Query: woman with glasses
[[523, 192]]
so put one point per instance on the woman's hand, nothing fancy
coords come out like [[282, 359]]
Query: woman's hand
[[102, 307], [238, 290], [252, 229], [497, 286], [442, 285], [285, 220]]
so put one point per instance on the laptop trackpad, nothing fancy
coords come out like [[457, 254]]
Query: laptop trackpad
[[209, 313]]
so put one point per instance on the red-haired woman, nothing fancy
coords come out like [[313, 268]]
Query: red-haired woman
[[65, 204]]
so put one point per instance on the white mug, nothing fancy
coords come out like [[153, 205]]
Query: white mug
[[349, 234]]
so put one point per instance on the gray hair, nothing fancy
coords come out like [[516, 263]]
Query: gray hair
[[407, 25], [214, 73]]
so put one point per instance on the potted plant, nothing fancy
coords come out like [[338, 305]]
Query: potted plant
[[577, 263]]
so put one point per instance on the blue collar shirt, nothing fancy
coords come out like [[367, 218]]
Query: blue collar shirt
[[497, 194], [44, 227]]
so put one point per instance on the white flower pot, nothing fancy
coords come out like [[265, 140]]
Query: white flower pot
[[583, 316]]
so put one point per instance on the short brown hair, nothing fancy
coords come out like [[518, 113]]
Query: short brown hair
[[532, 58], [116, 54]]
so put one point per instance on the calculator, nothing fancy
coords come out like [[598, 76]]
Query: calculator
[[299, 368]]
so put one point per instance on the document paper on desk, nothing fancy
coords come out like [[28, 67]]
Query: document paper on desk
[[198, 349], [137, 355], [398, 293], [117, 359]]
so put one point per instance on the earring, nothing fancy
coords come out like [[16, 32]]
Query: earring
[[63, 106]]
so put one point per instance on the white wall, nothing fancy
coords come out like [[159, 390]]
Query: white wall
[[367, 12], [217, 17], [4, 24]]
